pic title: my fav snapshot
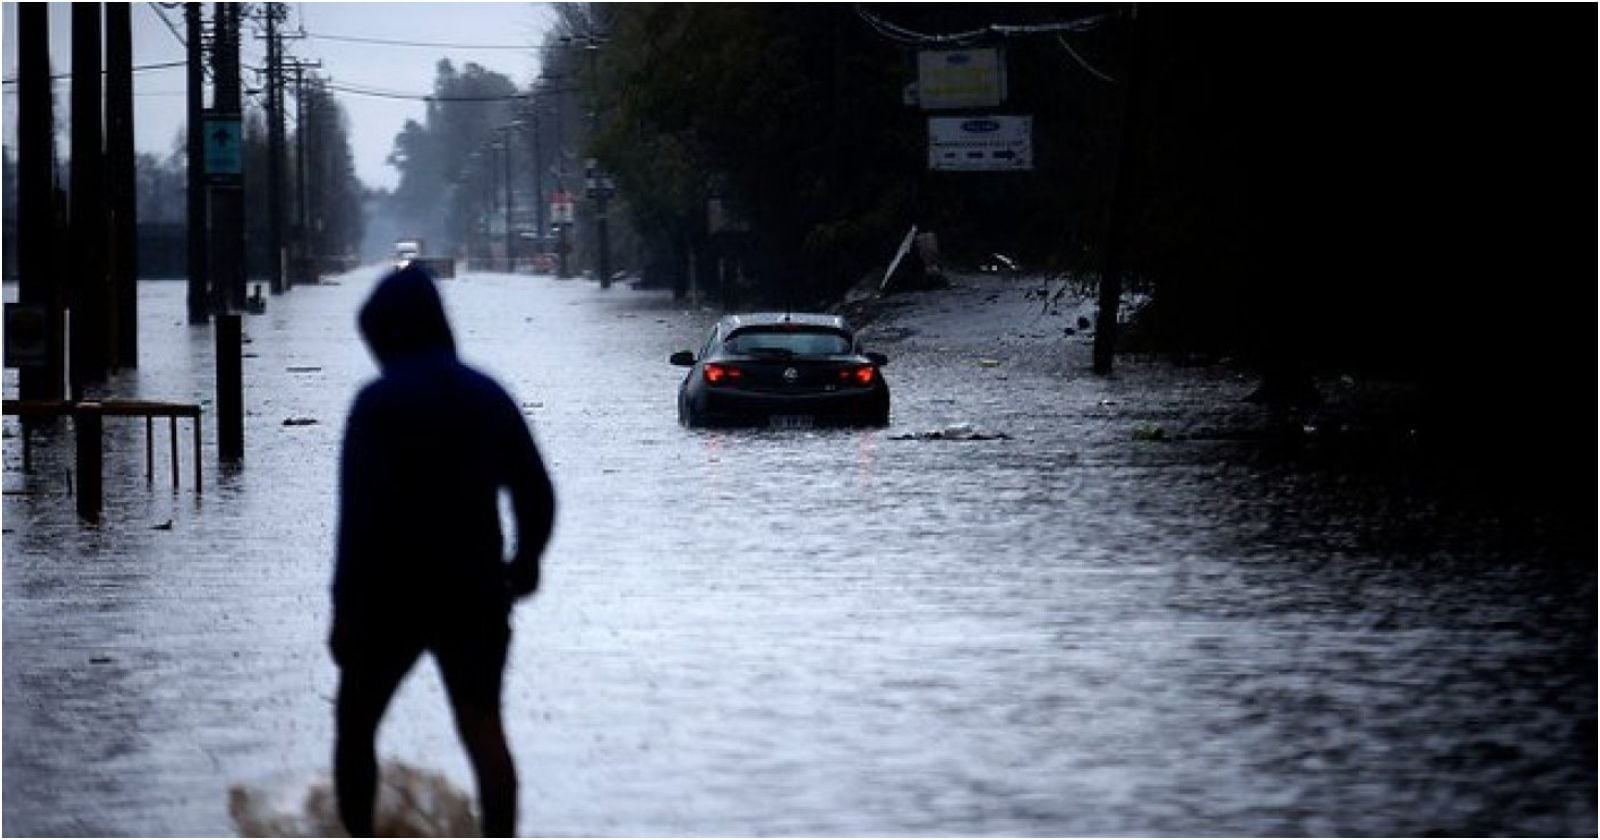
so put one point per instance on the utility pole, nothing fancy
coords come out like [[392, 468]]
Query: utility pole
[[314, 176], [274, 14], [599, 186], [91, 299], [1105, 330], [301, 223], [538, 184], [122, 184], [225, 183], [489, 199], [505, 182], [39, 288], [199, 271], [563, 225]]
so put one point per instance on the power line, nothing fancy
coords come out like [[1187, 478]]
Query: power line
[[170, 28], [911, 37], [165, 65], [1078, 58], [184, 42], [361, 90], [354, 39]]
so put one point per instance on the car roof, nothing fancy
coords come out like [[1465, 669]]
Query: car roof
[[745, 320]]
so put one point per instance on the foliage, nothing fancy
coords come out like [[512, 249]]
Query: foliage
[[444, 164], [335, 199], [162, 188], [792, 114], [757, 105]]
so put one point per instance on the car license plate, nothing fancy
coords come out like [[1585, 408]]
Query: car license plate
[[791, 421]]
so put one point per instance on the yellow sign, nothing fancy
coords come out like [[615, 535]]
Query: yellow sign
[[949, 79]]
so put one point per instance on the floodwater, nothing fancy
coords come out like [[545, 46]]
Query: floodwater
[[1069, 631]]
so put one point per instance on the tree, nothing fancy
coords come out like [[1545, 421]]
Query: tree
[[443, 187], [162, 185], [336, 211]]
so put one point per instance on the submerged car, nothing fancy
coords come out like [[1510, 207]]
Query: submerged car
[[785, 370]]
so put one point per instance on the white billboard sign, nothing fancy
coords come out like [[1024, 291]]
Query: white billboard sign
[[980, 144], [951, 79]]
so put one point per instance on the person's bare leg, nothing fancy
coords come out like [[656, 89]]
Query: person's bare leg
[[360, 707], [484, 737]]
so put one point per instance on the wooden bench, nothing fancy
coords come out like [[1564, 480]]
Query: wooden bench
[[87, 416]]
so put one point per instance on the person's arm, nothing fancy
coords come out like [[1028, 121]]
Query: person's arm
[[533, 500], [354, 541]]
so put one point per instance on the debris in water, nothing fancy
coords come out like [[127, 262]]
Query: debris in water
[[165, 526], [1149, 431], [300, 421], [303, 369], [988, 363], [411, 803], [954, 431]]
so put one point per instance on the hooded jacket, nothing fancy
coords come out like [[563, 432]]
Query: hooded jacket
[[427, 449]]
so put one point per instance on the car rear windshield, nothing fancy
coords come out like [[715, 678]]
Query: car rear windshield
[[787, 342]]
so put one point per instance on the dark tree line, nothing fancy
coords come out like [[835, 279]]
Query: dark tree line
[[1312, 189], [334, 201], [334, 215], [447, 170]]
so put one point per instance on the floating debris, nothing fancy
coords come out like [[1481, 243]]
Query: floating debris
[[1149, 431], [165, 526], [955, 431], [300, 421], [304, 369], [988, 363]]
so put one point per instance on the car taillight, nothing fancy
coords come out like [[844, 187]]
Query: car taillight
[[861, 375], [722, 374]]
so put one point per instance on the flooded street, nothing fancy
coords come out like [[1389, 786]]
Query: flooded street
[[1065, 632]]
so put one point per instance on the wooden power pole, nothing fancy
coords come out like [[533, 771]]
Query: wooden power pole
[[90, 335], [122, 184], [224, 173], [198, 259], [1105, 330], [39, 293]]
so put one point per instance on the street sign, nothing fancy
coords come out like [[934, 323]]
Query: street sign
[[980, 144], [951, 79], [561, 207], [224, 136]]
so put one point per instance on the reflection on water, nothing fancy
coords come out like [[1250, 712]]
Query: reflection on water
[[823, 633]]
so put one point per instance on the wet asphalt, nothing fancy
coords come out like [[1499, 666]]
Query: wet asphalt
[[1076, 629]]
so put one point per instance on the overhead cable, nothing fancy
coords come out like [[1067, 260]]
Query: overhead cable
[[1081, 62], [156, 8], [385, 42], [904, 35], [165, 65], [361, 90]]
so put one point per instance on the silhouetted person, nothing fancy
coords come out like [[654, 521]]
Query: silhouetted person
[[428, 448]]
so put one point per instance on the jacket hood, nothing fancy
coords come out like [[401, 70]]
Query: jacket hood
[[405, 317]]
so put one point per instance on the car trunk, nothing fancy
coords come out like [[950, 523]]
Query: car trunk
[[795, 375]]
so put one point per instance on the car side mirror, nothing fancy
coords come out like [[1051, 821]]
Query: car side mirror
[[877, 358], [682, 358]]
